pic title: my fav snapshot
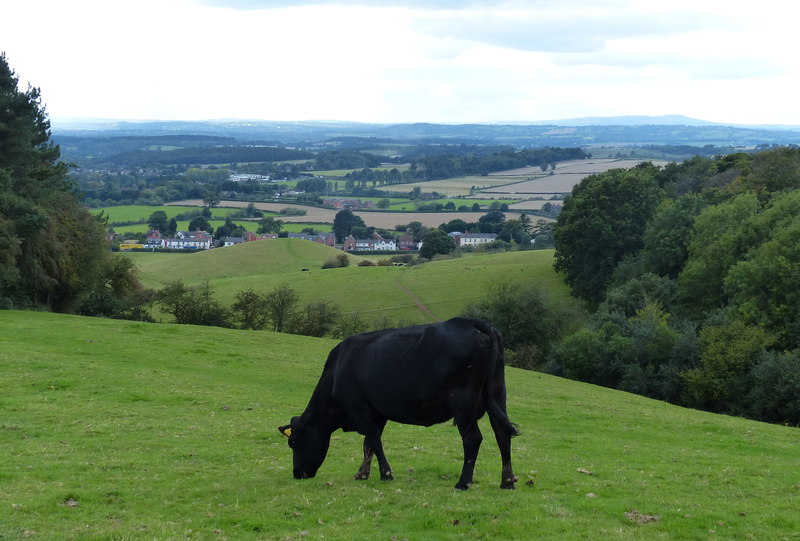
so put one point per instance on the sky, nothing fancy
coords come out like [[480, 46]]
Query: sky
[[399, 61]]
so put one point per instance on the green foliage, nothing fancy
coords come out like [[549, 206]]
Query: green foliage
[[269, 225], [343, 223], [436, 242], [338, 261], [666, 236], [601, 223], [719, 238], [251, 310], [641, 353], [728, 353], [53, 253], [192, 305], [528, 318]]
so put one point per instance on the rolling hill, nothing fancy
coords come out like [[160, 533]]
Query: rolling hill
[[123, 430], [419, 294]]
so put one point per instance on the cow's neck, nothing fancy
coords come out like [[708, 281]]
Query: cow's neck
[[322, 411]]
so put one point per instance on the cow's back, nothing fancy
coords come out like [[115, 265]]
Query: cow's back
[[412, 375]]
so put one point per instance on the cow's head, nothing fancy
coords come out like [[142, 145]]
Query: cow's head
[[309, 447]]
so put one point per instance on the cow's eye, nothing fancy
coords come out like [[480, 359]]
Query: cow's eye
[[291, 443]]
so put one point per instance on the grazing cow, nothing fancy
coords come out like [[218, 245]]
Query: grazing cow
[[420, 375]]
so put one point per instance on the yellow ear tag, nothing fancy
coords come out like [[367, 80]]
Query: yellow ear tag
[[287, 432]]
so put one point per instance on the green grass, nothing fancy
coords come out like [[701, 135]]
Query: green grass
[[141, 213], [123, 430], [443, 287]]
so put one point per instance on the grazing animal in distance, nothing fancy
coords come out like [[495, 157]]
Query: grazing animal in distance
[[420, 375]]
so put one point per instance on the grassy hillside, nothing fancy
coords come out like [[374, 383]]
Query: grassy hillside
[[442, 287], [123, 430]]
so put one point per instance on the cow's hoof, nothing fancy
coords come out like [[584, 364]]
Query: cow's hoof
[[387, 476], [463, 486], [508, 484], [361, 476]]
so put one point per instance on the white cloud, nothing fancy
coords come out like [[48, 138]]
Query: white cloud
[[410, 60]]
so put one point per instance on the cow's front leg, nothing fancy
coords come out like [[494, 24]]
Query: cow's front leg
[[364, 471], [471, 437], [383, 464]]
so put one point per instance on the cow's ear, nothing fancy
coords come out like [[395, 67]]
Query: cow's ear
[[286, 430]]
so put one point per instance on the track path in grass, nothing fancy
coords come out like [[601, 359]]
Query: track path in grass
[[418, 302]]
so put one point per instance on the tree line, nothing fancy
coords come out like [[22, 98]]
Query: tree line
[[690, 273]]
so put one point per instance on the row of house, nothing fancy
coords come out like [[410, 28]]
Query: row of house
[[201, 240], [376, 243]]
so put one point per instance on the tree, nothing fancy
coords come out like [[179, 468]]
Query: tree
[[269, 225], [602, 222], [158, 221], [528, 317], [251, 310], [192, 305], [728, 353], [53, 252], [435, 242], [200, 223], [720, 237], [343, 223], [281, 303], [666, 236], [172, 227], [316, 319]]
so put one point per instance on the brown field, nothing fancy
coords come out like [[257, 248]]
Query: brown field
[[565, 177], [385, 220]]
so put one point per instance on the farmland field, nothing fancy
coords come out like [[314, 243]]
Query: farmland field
[[564, 178], [442, 287], [123, 430], [386, 220]]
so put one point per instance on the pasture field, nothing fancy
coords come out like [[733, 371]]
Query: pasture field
[[419, 294], [123, 430], [141, 213]]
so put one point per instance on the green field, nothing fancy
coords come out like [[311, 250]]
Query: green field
[[442, 287], [141, 213], [124, 430]]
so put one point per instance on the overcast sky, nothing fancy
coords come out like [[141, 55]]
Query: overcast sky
[[727, 61]]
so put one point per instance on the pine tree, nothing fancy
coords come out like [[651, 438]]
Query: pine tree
[[53, 252]]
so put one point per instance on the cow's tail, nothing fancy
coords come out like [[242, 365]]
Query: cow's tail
[[496, 380]]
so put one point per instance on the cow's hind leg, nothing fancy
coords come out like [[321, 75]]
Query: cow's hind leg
[[503, 437], [471, 437]]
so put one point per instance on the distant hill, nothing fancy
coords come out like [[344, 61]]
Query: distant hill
[[629, 120], [633, 131]]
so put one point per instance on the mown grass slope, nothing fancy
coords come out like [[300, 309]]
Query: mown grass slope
[[419, 294], [124, 430]]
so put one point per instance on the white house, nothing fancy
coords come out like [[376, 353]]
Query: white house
[[190, 240]]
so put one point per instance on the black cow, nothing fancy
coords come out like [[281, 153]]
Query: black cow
[[421, 375]]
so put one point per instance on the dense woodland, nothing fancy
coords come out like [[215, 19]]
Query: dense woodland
[[692, 276]]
